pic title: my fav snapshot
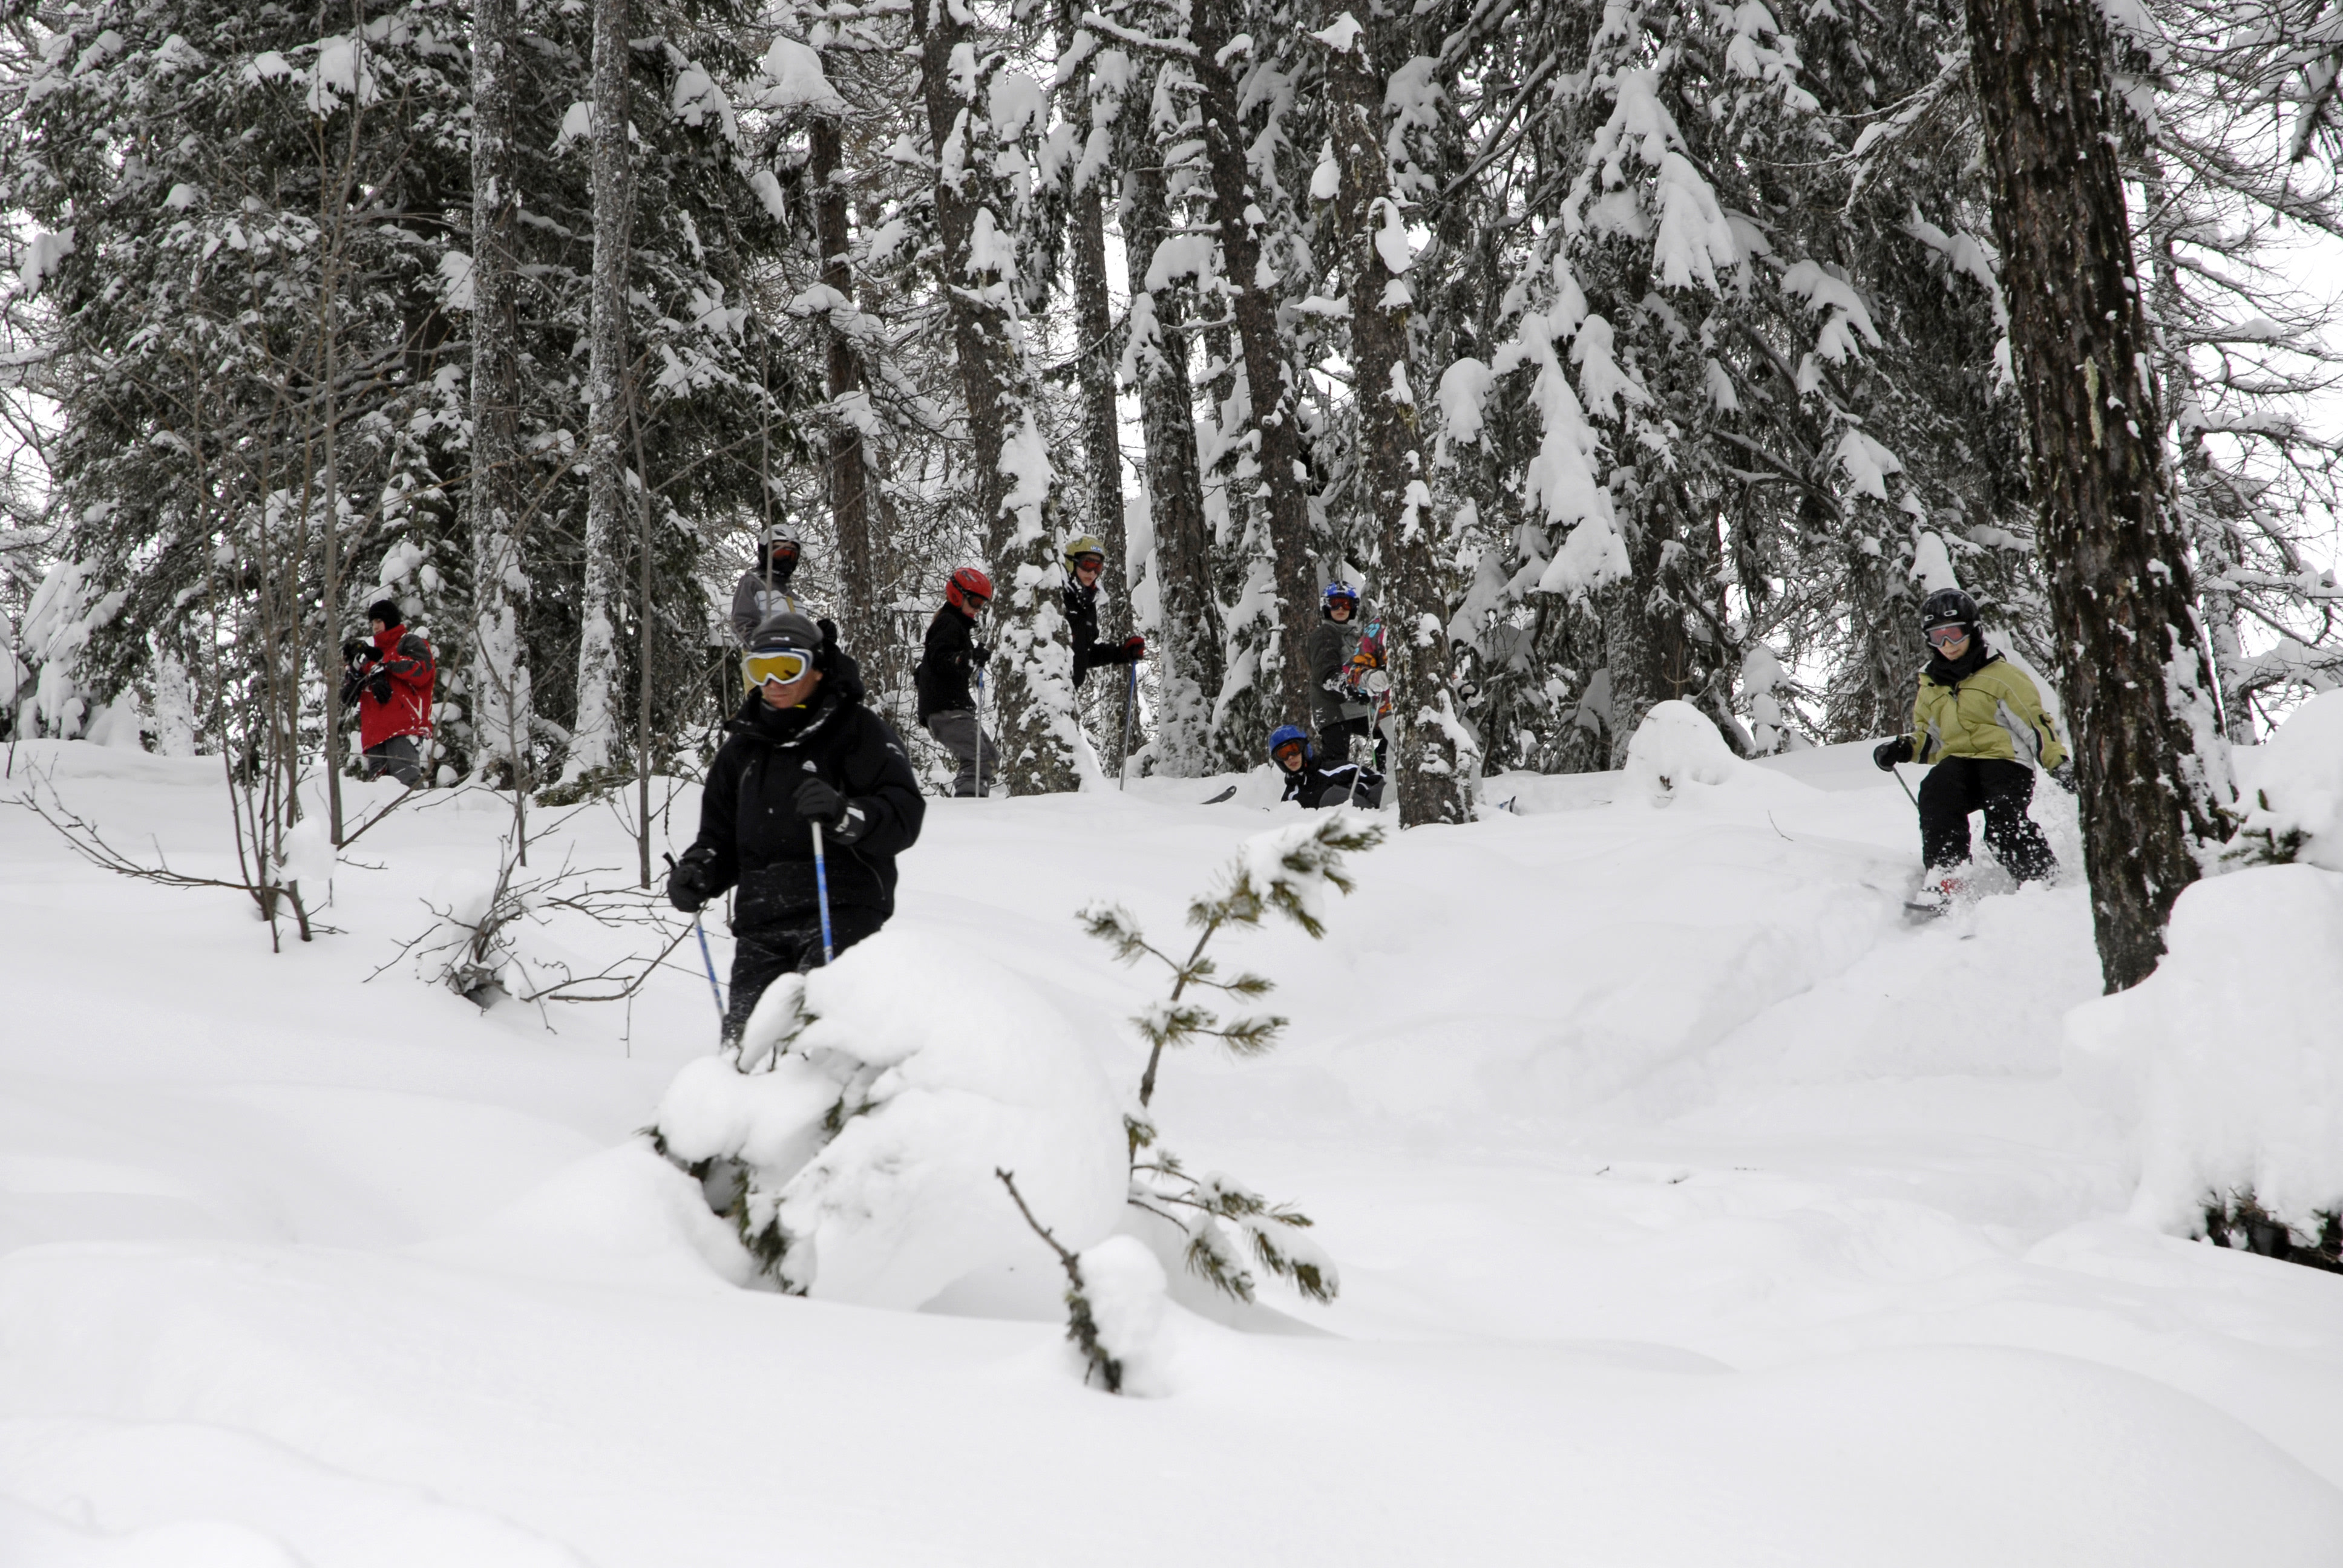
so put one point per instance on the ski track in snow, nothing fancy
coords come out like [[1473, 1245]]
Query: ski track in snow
[[1691, 1209]]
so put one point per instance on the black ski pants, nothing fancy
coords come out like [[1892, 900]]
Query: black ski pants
[[1960, 785], [763, 954], [1335, 737]]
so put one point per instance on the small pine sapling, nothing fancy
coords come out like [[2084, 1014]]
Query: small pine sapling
[[1081, 1322], [1287, 873]]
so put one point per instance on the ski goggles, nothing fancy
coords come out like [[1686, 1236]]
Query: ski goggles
[[1288, 752], [1945, 636], [782, 664]]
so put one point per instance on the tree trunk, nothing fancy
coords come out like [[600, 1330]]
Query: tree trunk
[[606, 412], [1254, 307], [1188, 631], [1032, 681], [1436, 760], [863, 613], [2132, 669], [499, 683], [1101, 430]]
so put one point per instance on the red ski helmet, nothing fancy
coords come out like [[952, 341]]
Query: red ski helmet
[[965, 584]]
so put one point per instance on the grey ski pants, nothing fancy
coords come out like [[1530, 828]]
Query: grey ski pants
[[955, 730]]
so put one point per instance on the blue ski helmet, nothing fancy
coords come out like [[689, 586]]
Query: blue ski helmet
[[1285, 734], [1336, 590]]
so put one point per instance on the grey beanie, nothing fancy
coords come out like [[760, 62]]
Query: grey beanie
[[787, 628]]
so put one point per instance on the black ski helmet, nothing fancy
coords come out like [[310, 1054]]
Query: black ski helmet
[[1947, 607]]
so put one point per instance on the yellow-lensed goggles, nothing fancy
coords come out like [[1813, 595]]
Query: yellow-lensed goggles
[[782, 664]]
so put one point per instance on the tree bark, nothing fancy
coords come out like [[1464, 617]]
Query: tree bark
[[499, 679], [1255, 305], [2132, 667], [1032, 681], [863, 613], [1101, 430], [1436, 761], [606, 412], [1189, 631]]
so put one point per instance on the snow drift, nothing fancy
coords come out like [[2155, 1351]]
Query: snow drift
[[866, 1118], [2227, 1061]]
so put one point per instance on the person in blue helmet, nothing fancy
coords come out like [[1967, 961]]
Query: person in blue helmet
[[1333, 642], [1315, 783]]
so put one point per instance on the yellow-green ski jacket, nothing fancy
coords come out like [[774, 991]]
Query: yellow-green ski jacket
[[1992, 711]]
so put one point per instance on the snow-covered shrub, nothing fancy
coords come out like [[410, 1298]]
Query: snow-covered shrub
[[2295, 783], [1676, 745], [2227, 1062], [1288, 870], [854, 1136]]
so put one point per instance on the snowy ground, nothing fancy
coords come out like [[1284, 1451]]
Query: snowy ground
[[1691, 1209]]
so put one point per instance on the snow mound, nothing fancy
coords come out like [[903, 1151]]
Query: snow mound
[[1676, 754], [1126, 1289], [870, 1114], [2297, 781], [621, 1214], [2227, 1059]]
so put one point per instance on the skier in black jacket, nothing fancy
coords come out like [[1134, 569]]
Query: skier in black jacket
[[802, 749], [1314, 783], [947, 663], [1085, 563]]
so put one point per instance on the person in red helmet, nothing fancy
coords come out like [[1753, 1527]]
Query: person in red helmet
[[389, 682], [948, 661]]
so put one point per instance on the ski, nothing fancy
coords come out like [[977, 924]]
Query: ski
[[1223, 795]]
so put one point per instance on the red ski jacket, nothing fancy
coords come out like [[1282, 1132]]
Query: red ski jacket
[[403, 666]]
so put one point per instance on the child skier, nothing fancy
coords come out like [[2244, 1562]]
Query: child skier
[[1333, 641], [802, 749], [389, 681], [1085, 564], [947, 661], [1979, 723], [1315, 784]]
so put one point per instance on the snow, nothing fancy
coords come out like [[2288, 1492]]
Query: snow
[[2293, 783], [2234, 1085], [1689, 1207], [797, 81]]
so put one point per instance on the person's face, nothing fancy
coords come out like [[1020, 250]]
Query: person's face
[[1340, 610], [1288, 756], [975, 604], [1087, 569], [778, 694], [376, 626], [1952, 641]]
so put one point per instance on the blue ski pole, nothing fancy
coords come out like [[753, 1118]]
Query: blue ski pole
[[709, 961], [706, 959], [820, 886]]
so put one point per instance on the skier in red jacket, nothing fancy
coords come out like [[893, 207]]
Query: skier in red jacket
[[390, 682]]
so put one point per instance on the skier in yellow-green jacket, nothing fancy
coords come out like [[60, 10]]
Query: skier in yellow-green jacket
[[1980, 723]]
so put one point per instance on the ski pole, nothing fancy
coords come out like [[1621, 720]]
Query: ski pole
[[1129, 693], [1907, 788], [708, 962], [706, 959], [820, 886], [980, 732]]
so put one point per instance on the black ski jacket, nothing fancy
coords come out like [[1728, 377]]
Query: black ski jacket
[[947, 663], [748, 821], [1318, 785], [1082, 619]]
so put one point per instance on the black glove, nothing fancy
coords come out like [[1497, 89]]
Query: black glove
[[825, 657], [840, 817], [351, 685], [1134, 648], [357, 652], [980, 653], [690, 882], [2063, 776], [380, 687], [1888, 753]]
